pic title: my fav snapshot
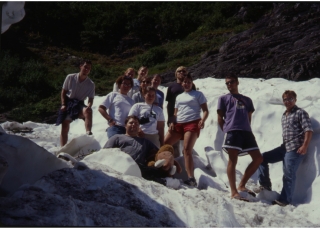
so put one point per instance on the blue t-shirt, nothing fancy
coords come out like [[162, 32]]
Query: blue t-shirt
[[236, 108], [160, 96]]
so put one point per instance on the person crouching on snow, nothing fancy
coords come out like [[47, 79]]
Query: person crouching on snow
[[141, 150], [76, 88], [187, 123], [297, 133]]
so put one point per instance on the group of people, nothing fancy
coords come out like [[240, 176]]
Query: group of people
[[234, 117], [135, 124], [135, 118]]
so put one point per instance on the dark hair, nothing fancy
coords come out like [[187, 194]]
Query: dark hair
[[290, 92], [122, 78], [87, 61], [231, 75], [150, 88], [157, 75], [188, 76], [131, 117], [147, 78]]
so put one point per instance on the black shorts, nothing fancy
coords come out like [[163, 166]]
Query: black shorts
[[243, 141]]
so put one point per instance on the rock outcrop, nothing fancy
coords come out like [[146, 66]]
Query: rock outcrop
[[283, 43]]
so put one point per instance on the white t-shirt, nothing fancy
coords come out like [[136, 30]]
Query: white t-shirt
[[132, 91], [188, 105], [143, 110], [78, 90], [119, 106]]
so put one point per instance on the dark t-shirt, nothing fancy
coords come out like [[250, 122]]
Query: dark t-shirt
[[173, 91], [138, 148], [236, 108]]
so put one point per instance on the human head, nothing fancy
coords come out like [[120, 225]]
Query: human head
[[143, 71], [156, 80], [85, 67], [144, 83], [187, 82], [289, 98], [290, 93], [132, 125], [124, 83], [232, 83], [181, 71], [130, 72], [150, 95]]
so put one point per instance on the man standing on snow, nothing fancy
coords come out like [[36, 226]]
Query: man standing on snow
[[297, 133], [234, 118], [76, 88]]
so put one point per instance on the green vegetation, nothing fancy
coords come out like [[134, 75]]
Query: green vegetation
[[38, 52]]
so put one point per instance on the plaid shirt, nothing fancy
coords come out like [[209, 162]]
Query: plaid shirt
[[294, 125]]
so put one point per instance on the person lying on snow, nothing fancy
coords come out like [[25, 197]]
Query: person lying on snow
[[142, 151]]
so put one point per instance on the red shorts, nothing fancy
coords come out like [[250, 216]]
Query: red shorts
[[188, 126]]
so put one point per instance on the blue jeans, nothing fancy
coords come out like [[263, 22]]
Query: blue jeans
[[291, 161], [111, 131]]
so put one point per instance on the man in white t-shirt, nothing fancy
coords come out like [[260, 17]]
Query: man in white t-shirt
[[76, 88]]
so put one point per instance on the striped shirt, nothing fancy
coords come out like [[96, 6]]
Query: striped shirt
[[294, 126]]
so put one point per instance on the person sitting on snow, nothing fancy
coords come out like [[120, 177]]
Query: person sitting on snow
[[141, 150], [297, 133]]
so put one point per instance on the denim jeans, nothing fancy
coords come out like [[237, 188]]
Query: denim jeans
[[111, 131], [291, 161]]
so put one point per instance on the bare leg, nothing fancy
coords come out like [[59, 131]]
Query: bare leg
[[252, 167], [190, 139], [64, 132], [231, 171], [87, 116], [171, 137]]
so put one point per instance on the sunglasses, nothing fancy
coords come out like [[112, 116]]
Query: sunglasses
[[288, 100], [230, 82], [181, 71]]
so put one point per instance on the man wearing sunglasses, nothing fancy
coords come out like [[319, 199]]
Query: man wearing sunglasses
[[234, 118], [297, 133]]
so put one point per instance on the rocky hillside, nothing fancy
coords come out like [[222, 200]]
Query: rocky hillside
[[284, 43]]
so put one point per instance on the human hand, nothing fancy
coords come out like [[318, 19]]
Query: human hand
[[302, 150], [140, 133], [63, 108], [88, 109], [171, 127], [201, 124], [111, 122]]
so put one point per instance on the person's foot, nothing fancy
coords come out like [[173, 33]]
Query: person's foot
[[261, 188], [191, 181], [277, 202], [89, 133], [247, 191]]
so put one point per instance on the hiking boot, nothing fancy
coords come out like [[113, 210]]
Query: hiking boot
[[191, 182], [277, 202], [260, 188]]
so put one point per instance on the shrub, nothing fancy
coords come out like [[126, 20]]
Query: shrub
[[152, 57]]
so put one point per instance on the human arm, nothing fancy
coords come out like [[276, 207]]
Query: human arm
[[205, 110], [307, 138], [221, 115], [103, 111], [64, 100], [160, 128], [250, 116], [174, 120]]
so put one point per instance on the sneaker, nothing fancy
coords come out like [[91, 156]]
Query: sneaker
[[261, 188], [191, 181], [89, 133], [277, 202]]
